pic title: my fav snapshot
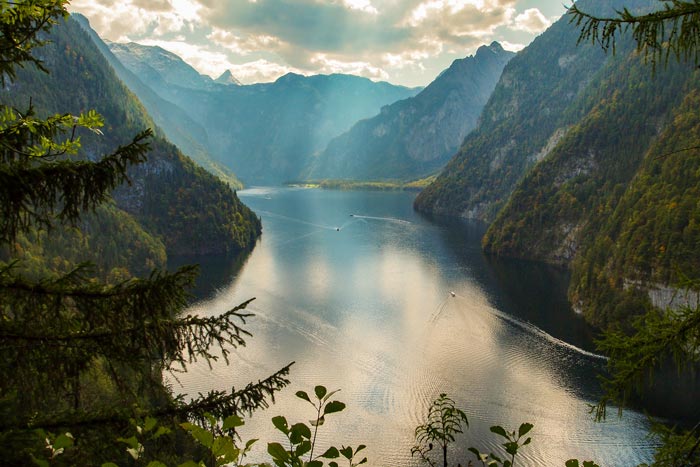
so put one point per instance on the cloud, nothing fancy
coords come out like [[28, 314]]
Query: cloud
[[405, 41], [531, 20]]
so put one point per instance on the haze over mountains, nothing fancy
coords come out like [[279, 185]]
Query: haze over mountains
[[263, 132], [415, 137], [278, 132]]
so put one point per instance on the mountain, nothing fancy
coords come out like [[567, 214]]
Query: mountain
[[565, 165], [227, 78], [170, 198], [265, 132], [416, 136], [173, 122], [153, 63]]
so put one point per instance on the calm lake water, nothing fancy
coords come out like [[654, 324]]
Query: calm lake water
[[363, 303]]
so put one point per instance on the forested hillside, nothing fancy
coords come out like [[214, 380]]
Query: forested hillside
[[416, 136], [178, 204], [540, 94], [574, 177], [266, 133]]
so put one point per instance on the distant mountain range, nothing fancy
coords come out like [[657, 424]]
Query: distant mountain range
[[564, 164], [266, 132], [416, 136]]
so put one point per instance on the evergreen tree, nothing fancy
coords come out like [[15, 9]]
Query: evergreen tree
[[659, 336], [62, 339]]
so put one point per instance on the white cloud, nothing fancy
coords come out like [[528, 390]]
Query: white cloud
[[260, 71], [531, 20], [410, 41]]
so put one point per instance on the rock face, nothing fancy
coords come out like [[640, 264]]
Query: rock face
[[228, 78], [564, 164], [415, 137], [267, 132], [153, 63]]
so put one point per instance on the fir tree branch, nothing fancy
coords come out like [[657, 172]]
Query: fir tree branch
[[30, 195], [675, 29], [218, 403]]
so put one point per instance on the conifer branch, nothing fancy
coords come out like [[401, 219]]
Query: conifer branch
[[218, 403], [673, 30], [30, 195]]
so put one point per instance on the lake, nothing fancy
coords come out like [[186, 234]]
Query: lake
[[369, 297]]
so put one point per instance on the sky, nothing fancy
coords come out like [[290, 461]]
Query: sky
[[407, 42]]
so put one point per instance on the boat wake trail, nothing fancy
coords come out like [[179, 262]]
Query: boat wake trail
[[524, 325], [388, 219]]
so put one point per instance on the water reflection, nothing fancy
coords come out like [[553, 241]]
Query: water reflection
[[367, 308]]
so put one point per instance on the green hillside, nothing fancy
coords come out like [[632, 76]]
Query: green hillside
[[176, 202]]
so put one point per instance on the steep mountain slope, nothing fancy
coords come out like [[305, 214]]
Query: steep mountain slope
[[176, 124], [155, 64], [541, 93], [188, 208], [416, 136], [582, 185], [265, 132]]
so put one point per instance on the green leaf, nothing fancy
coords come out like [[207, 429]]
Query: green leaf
[[160, 432], [363, 461], [303, 448], [320, 391], [499, 431], [331, 453], [590, 464], [232, 421], [299, 432], [277, 452], [511, 448], [360, 448], [40, 462], [132, 442], [571, 463], [315, 464], [328, 396], [303, 395], [332, 464], [527, 441], [156, 463], [250, 443], [188, 464], [333, 407], [149, 424], [112, 464], [346, 452], [204, 437], [63, 441], [281, 424], [524, 428]]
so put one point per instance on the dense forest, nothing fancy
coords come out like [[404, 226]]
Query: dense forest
[[177, 204]]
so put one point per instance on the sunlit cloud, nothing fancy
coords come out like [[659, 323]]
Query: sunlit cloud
[[403, 41], [531, 20]]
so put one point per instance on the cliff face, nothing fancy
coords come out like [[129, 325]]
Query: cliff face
[[415, 137], [170, 197]]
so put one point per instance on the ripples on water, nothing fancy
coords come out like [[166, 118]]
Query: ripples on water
[[363, 303]]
